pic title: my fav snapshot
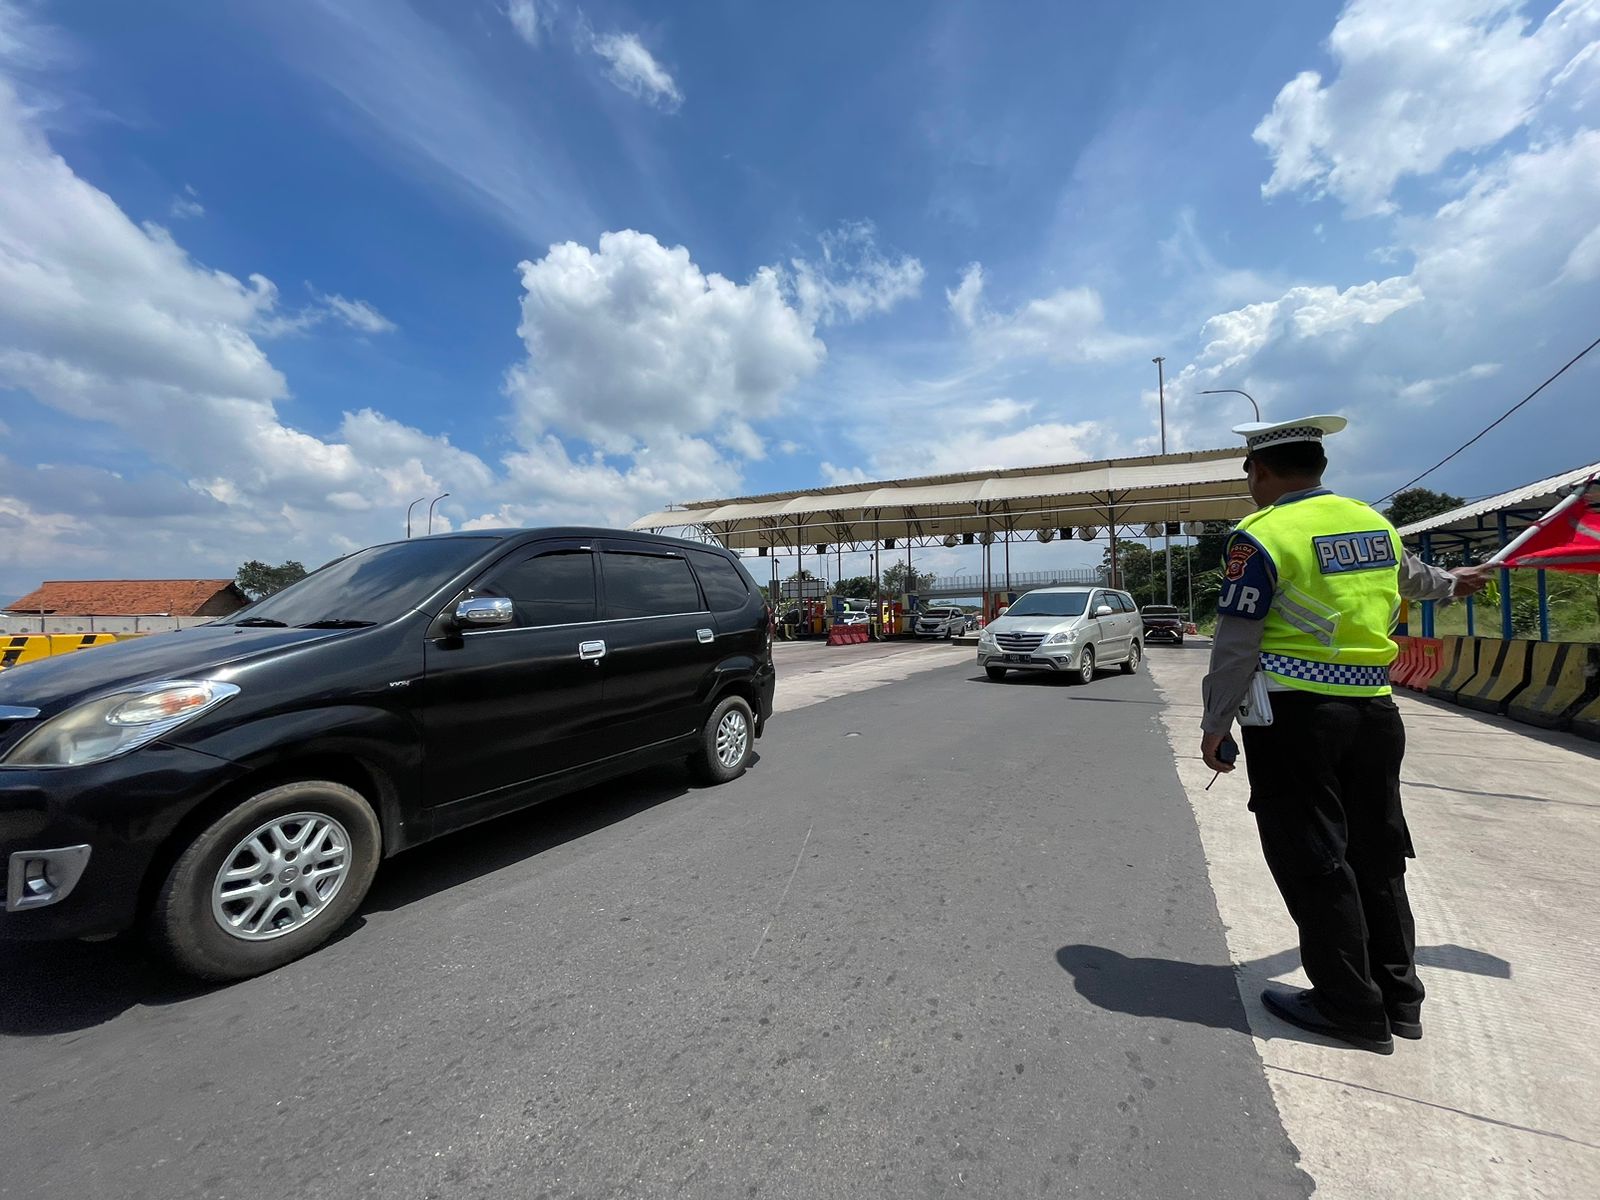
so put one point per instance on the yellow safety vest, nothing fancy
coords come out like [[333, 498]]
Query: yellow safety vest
[[1336, 598]]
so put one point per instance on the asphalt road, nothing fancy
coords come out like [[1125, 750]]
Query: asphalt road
[[946, 938]]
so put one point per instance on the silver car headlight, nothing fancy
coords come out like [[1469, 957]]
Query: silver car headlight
[[114, 724], [1057, 639], [987, 636]]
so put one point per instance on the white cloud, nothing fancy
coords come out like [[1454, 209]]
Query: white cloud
[[1426, 391], [1527, 222], [632, 342], [833, 475], [1066, 326], [1417, 83], [456, 132], [186, 206], [358, 314], [635, 70], [528, 20], [853, 278], [114, 325]]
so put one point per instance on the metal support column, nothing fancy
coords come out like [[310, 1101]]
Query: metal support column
[[1544, 609], [1505, 581], [1427, 605]]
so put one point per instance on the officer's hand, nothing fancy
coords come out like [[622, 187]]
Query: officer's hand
[[1471, 580], [1209, 745]]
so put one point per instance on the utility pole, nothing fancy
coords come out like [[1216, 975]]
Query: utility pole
[[1161, 394]]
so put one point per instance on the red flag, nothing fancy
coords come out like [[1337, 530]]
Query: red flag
[[1567, 538]]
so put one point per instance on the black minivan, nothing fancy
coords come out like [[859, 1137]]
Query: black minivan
[[232, 787]]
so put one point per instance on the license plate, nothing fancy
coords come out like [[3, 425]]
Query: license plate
[[1016, 658]]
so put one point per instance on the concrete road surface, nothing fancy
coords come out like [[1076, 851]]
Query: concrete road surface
[[946, 938]]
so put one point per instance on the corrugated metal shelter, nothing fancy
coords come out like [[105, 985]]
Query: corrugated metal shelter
[[1483, 527], [1109, 497], [1198, 486]]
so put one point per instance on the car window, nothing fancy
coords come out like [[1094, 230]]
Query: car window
[[373, 585], [1049, 604], [1128, 605], [553, 587], [648, 585], [724, 584]]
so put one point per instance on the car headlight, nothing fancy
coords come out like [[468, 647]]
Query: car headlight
[[114, 724], [1066, 635], [986, 635]]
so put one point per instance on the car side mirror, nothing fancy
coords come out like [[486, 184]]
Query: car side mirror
[[1103, 611], [484, 612]]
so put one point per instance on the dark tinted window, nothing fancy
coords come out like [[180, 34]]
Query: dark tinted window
[[724, 584], [1049, 604], [553, 588], [377, 584], [1127, 603], [648, 585]]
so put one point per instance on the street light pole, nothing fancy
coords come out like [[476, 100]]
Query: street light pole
[[1166, 535], [409, 507], [1236, 392], [435, 500]]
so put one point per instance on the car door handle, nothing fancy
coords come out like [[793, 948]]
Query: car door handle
[[705, 635], [593, 651]]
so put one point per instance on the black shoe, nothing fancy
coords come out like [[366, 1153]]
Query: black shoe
[[1405, 1020], [1298, 1008]]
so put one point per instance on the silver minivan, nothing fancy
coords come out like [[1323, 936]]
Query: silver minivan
[[1071, 631]]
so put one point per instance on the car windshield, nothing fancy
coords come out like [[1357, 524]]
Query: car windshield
[[1049, 604], [368, 587]]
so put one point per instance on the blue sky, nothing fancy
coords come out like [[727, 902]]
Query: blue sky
[[269, 272]]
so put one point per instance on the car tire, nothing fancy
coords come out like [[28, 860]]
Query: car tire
[[1085, 672], [1131, 665], [727, 740], [995, 673], [332, 822]]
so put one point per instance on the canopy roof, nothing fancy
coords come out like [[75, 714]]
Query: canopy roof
[[1201, 485], [1522, 506]]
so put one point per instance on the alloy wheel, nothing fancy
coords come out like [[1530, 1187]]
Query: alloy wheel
[[281, 876]]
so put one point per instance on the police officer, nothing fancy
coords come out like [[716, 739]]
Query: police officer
[[1311, 591]]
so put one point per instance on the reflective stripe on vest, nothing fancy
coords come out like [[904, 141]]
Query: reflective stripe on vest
[[1328, 628]]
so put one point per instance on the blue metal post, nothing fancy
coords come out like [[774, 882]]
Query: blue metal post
[[1544, 609], [1505, 581], [1427, 605], [1472, 617]]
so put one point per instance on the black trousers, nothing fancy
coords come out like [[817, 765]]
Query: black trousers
[[1325, 790]]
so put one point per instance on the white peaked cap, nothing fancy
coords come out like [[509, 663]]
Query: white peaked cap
[[1260, 434]]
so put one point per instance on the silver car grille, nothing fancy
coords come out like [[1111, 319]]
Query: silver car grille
[[1019, 641]]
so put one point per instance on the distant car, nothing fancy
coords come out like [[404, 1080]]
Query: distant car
[[1162, 622], [972, 622], [852, 617], [1068, 631], [940, 623]]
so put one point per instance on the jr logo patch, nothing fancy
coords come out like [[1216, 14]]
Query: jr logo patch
[[1343, 552]]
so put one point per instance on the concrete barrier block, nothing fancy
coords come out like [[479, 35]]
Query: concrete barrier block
[[1502, 673]]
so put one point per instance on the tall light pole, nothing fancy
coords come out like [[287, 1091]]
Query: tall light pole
[[435, 500], [1166, 535], [1235, 391], [409, 507]]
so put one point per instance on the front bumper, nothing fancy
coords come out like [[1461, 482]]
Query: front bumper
[[1066, 657], [117, 813], [1163, 633]]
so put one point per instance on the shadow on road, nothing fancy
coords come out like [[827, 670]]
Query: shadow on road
[[1207, 994], [1196, 993], [57, 987]]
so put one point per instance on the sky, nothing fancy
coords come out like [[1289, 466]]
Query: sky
[[269, 273]]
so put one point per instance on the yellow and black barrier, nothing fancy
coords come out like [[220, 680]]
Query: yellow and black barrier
[[1560, 673], [1502, 673], [19, 648], [1459, 659]]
